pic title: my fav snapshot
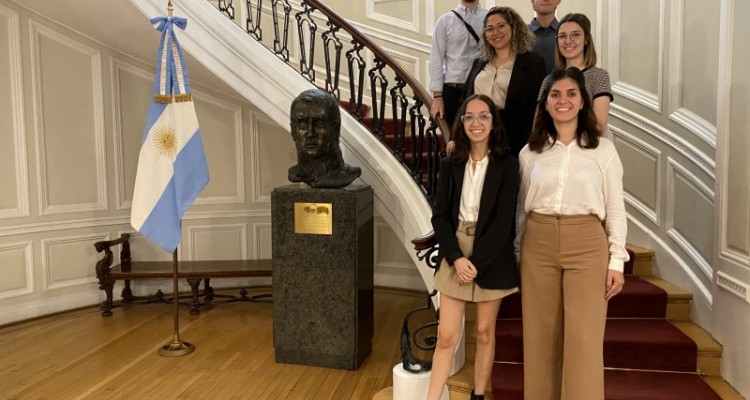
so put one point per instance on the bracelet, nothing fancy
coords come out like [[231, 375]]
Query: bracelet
[[437, 97]]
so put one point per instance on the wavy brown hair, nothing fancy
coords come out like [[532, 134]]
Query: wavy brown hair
[[587, 132], [589, 50], [521, 37], [498, 141]]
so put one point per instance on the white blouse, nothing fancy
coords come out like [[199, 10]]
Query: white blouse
[[570, 180], [493, 82], [471, 191]]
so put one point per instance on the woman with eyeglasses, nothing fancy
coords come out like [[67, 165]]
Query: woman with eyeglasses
[[508, 72], [473, 219], [571, 228], [575, 48]]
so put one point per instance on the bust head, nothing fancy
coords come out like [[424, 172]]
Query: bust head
[[315, 122]]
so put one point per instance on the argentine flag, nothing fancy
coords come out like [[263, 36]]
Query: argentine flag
[[172, 167]]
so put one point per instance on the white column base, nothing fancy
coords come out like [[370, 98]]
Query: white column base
[[411, 386]]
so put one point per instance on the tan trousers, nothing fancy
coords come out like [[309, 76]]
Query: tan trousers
[[563, 271]]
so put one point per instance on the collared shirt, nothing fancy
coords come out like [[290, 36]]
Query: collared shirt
[[453, 47], [570, 180], [546, 42], [493, 82], [471, 191]]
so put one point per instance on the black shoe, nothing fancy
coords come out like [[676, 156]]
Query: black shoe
[[476, 396]]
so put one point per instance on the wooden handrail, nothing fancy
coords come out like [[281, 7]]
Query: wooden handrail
[[419, 90]]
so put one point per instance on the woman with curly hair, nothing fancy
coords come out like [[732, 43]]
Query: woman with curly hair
[[508, 72]]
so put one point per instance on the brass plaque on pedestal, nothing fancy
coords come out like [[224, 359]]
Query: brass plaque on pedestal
[[313, 218]]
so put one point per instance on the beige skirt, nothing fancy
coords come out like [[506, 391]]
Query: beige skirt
[[446, 281]]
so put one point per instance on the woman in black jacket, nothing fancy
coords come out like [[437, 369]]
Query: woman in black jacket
[[508, 72], [473, 221]]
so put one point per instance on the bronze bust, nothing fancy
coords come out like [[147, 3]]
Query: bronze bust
[[316, 126]]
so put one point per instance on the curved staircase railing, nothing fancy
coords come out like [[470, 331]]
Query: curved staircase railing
[[399, 103]]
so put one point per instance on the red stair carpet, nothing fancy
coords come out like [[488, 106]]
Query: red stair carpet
[[645, 357]]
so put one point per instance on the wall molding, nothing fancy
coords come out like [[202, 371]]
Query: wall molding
[[411, 26], [641, 96], [122, 220], [652, 213], [37, 31], [193, 231], [256, 189], [116, 67], [688, 119], [733, 286], [239, 197], [48, 283], [677, 143], [677, 236], [17, 115], [27, 248], [258, 228]]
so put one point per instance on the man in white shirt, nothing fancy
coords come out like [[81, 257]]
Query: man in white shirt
[[545, 27], [454, 48]]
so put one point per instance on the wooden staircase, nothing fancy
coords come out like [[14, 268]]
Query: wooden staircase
[[677, 313]]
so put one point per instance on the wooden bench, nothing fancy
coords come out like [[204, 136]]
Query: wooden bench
[[193, 271]]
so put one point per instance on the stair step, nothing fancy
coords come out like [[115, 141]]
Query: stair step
[[507, 382], [628, 343], [709, 350], [639, 299], [641, 259], [679, 303]]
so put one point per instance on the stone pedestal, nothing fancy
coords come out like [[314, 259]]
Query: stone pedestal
[[323, 283]]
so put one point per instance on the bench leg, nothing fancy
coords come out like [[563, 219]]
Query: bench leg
[[109, 286], [208, 291], [127, 293], [194, 286]]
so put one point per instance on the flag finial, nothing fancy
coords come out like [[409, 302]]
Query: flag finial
[[170, 8]]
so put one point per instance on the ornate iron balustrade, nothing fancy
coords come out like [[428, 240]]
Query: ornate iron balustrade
[[399, 103]]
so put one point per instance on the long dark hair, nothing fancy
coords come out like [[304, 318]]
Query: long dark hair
[[498, 141], [587, 132]]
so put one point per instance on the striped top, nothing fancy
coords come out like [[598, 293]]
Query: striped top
[[597, 84]]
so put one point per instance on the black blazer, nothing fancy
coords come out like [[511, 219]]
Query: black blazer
[[493, 254], [520, 103]]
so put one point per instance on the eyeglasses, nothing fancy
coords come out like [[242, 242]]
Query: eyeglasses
[[574, 36], [469, 118], [498, 27]]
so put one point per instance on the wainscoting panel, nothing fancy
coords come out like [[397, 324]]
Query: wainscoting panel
[[690, 209], [262, 248], [69, 134], [694, 67], [642, 178], [131, 97], [217, 242], [66, 260], [18, 270], [13, 157], [400, 14], [222, 133], [273, 153], [636, 28]]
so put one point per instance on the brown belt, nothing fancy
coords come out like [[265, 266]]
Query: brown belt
[[467, 227], [454, 85]]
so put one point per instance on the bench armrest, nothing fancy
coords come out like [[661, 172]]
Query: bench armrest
[[105, 264]]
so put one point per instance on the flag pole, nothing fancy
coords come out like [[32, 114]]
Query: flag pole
[[177, 347]]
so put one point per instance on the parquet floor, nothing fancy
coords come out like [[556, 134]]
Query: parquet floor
[[82, 355]]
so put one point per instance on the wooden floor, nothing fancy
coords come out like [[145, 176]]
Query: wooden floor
[[82, 355]]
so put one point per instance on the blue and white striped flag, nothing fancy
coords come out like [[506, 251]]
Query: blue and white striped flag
[[172, 167]]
